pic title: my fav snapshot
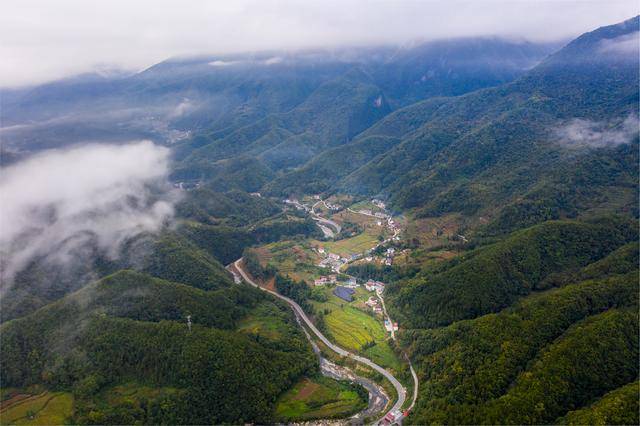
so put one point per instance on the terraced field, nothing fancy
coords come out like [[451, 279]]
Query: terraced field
[[350, 327], [319, 398], [47, 408]]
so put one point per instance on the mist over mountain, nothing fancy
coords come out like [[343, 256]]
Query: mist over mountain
[[485, 187]]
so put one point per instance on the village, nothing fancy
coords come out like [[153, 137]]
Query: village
[[345, 286]]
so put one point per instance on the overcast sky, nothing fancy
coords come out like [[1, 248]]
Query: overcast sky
[[42, 40]]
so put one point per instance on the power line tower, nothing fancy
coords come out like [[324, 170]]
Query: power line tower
[[189, 322]]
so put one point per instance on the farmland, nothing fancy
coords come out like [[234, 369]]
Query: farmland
[[46, 408], [353, 245], [350, 327], [319, 397]]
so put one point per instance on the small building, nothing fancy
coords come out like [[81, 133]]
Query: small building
[[377, 309], [321, 250], [389, 326], [371, 302], [320, 281], [333, 256], [344, 293]]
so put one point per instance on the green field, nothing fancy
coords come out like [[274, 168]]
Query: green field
[[293, 258], [47, 408], [382, 354], [319, 398], [350, 327], [353, 245], [265, 320]]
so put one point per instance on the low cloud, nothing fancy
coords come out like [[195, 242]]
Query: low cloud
[[55, 203], [628, 44], [579, 133]]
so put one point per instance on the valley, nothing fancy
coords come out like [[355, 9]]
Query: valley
[[439, 233]]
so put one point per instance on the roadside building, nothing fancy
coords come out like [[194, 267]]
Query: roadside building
[[389, 326], [320, 281], [371, 302]]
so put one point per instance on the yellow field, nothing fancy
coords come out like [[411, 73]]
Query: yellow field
[[353, 245], [44, 409]]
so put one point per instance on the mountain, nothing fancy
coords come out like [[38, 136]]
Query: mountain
[[180, 100], [525, 311], [129, 329], [520, 146]]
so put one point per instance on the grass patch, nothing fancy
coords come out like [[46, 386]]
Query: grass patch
[[383, 355], [266, 320], [47, 408], [320, 398], [292, 258]]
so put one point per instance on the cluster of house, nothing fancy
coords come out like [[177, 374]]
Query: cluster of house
[[323, 280], [333, 207], [334, 261], [378, 203], [187, 185], [373, 303], [394, 227], [368, 212], [333, 279], [372, 285], [388, 256], [331, 260], [297, 204]]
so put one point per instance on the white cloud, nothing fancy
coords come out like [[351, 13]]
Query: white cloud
[[272, 61], [223, 63], [628, 44], [579, 133], [53, 203], [44, 40]]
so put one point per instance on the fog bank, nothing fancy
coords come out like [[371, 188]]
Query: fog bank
[[56, 202]]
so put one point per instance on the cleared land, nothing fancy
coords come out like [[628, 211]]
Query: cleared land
[[319, 398]]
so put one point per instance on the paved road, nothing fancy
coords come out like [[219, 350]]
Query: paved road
[[402, 394], [378, 398], [327, 222]]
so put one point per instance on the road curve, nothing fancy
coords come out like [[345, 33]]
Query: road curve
[[402, 394]]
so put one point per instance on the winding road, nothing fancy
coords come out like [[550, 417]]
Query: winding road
[[402, 394]]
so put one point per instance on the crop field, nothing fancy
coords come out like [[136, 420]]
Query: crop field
[[350, 327], [294, 259], [47, 408], [353, 245], [318, 398]]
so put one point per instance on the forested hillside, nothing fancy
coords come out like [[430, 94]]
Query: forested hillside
[[129, 327], [508, 243]]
